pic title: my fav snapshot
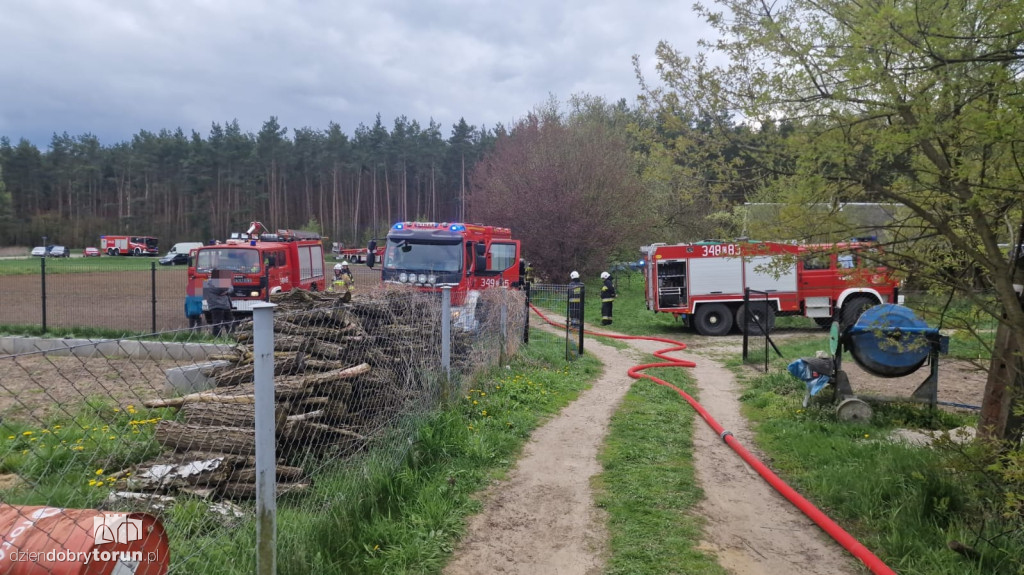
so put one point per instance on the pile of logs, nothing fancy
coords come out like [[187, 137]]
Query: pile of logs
[[343, 373]]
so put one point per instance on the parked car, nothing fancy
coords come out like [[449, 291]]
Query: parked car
[[39, 251], [59, 252], [174, 259], [91, 253]]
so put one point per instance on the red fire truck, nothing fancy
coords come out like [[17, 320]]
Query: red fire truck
[[703, 283], [261, 264], [466, 257], [129, 246]]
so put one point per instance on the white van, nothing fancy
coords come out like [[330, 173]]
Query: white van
[[179, 253]]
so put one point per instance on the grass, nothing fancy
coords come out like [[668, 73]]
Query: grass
[[32, 265], [68, 460], [648, 485]]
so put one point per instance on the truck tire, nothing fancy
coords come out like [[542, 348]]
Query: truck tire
[[713, 319], [761, 314], [137, 252], [117, 252], [852, 309], [110, 251]]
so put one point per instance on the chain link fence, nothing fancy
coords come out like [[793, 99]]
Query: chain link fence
[[126, 294], [567, 301], [150, 451]]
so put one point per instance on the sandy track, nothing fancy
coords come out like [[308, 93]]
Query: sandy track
[[542, 520]]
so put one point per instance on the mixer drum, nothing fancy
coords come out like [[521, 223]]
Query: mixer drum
[[889, 340]]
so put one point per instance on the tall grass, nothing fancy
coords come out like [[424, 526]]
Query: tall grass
[[32, 266]]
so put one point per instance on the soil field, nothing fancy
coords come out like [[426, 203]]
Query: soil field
[[36, 387], [121, 300]]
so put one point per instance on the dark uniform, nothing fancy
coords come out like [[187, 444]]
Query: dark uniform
[[217, 295], [575, 303], [607, 299]]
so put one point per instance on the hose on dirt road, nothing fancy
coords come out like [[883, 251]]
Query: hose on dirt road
[[856, 548]]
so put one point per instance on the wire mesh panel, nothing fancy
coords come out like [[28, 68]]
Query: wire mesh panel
[[567, 301], [127, 294], [167, 430]]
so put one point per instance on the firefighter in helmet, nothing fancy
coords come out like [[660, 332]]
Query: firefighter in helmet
[[575, 300], [607, 298], [342, 282], [347, 272]]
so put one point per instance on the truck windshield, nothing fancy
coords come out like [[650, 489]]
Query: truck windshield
[[415, 256], [234, 259]]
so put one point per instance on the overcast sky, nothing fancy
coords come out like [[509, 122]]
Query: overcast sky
[[114, 67]]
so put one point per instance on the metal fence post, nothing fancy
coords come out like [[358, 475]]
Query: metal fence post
[[152, 273], [583, 303], [503, 330], [42, 275], [266, 454], [446, 330], [746, 314], [526, 324]]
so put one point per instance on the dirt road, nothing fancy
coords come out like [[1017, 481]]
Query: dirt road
[[541, 520]]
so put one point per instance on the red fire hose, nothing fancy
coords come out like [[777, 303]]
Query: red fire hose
[[858, 550]]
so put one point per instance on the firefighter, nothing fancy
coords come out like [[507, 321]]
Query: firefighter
[[347, 272], [575, 300], [607, 298], [342, 282]]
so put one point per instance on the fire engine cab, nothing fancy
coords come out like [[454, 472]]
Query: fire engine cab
[[467, 258], [703, 283], [261, 264]]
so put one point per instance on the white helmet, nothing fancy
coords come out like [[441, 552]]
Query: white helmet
[[574, 275], [337, 267], [344, 263], [605, 275]]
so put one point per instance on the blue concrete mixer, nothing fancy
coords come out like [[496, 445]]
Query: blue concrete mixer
[[887, 340]]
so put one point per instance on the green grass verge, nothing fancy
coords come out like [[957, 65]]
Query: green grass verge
[[31, 266], [648, 486], [904, 503]]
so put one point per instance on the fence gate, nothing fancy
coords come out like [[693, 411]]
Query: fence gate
[[567, 300]]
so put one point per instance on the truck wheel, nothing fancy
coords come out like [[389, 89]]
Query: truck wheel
[[110, 252], [137, 252], [853, 308], [713, 319], [117, 252], [761, 314]]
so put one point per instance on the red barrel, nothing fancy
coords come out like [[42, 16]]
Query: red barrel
[[56, 541]]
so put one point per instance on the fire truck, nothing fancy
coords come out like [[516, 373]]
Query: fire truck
[[703, 283], [261, 264], [129, 245], [467, 258]]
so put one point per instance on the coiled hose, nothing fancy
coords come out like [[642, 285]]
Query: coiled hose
[[856, 548]]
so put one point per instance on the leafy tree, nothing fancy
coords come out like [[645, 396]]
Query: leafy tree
[[566, 185], [913, 103]]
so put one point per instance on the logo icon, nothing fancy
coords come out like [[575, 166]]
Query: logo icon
[[116, 528]]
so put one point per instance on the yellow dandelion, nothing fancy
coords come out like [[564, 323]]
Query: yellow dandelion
[[484, 413], [99, 472], [376, 547], [113, 437], [867, 435], [78, 448], [117, 410], [26, 433], [475, 402], [99, 484], [33, 439], [93, 482], [10, 437], [483, 393], [56, 427], [45, 431], [24, 452]]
